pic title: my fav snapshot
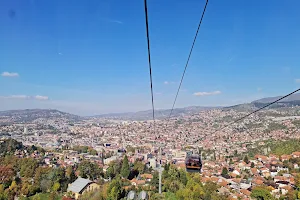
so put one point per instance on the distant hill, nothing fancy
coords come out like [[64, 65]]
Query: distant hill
[[159, 114], [291, 101], [292, 98], [29, 115]]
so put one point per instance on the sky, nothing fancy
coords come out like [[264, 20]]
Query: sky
[[90, 57]]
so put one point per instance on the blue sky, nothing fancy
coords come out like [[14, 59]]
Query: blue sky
[[90, 57]]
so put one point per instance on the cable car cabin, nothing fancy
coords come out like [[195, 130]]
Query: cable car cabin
[[193, 163]]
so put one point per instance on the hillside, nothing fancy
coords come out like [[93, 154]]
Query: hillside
[[29, 115], [159, 114], [291, 101], [292, 98]]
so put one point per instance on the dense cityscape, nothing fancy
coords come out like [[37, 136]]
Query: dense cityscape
[[149, 100], [111, 158]]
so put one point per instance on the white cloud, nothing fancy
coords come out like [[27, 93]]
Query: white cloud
[[297, 80], [10, 74], [116, 21], [37, 97], [18, 97], [42, 98], [112, 21], [259, 89], [207, 93], [15, 97], [169, 82]]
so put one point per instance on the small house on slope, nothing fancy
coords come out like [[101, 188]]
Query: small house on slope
[[82, 185]]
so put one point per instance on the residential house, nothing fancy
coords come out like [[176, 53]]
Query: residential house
[[147, 177], [245, 184], [80, 186], [296, 154], [137, 182], [285, 157]]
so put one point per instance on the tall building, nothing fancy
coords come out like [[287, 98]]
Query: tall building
[[25, 130], [153, 163]]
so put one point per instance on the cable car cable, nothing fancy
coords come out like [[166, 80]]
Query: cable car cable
[[188, 60], [149, 63], [269, 104]]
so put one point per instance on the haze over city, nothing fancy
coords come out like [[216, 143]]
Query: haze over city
[[91, 58]]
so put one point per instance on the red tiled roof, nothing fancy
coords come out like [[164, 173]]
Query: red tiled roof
[[223, 183], [297, 153], [254, 171], [147, 176], [237, 180], [257, 181], [245, 192]]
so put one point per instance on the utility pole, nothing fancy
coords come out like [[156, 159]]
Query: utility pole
[[160, 172]]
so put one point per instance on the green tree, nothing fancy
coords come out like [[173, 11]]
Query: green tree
[[40, 172], [246, 159], [114, 169], [170, 196], [52, 196], [155, 181], [115, 190], [211, 193], [70, 174], [125, 171], [173, 173], [33, 189], [157, 196], [28, 167], [139, 166], [13, 187], [36, 197], [45, 185], [9, 146], [173, 186], [25, 189], [114, 194], [56, 187], [261, 193], [297, 180], [3, 195], [89, 170], [183, 177], [192, 191], [224, 172], [93, 151]]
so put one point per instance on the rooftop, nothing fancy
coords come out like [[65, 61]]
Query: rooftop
[[79, 184]]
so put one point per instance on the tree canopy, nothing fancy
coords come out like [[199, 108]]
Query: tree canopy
[[125, 171]]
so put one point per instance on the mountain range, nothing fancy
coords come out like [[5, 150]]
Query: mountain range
[[28, 115], [159, 114]]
